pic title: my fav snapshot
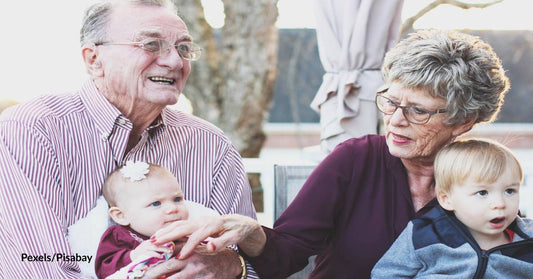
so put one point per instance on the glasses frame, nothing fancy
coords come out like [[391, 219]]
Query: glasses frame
[[406, 108], [165, 47]]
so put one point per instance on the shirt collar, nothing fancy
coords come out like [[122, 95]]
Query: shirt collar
[[103, 113]]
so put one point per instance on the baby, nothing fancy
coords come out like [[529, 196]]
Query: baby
[[476, 231], [142, 199]]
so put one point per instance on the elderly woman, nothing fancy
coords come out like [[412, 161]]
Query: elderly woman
[[360, 198]]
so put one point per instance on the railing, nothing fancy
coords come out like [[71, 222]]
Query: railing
[[272, 156]]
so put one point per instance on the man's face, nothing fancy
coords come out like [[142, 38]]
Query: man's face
[[133, 77]]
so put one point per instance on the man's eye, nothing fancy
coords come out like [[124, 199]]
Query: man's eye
[[157, 203], [183, 48], [152, 45]]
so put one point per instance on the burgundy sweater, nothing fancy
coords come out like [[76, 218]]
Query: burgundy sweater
[[114, 250], [348, 213]]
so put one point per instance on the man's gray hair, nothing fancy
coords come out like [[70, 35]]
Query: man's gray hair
[[94, 25], [457, 67]]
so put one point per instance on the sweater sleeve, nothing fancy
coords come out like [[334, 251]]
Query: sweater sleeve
[[113, 251], [400, 260], [304, 229]]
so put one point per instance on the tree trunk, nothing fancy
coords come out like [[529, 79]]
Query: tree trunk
[[232, 84]]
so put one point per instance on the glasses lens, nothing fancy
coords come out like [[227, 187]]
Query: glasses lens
[[385, 105], [416, 115], [153, 45], [412, 114], [189, 51]]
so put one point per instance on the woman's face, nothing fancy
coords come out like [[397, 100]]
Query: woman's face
[[417, 142]]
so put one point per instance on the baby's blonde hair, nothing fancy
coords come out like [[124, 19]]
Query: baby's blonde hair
[[481, 159]]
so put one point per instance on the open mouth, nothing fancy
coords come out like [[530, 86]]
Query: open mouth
[[162, 80], [498, 222]]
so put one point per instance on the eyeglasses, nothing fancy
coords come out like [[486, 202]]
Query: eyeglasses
[[159, 47], [415, 115]]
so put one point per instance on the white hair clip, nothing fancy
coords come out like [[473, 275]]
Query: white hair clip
[[135, 170]]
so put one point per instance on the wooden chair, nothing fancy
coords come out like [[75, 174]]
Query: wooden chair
[[288, 179]]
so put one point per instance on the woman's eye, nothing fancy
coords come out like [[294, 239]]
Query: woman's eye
[[419, 110], [391, 103], [157, 203]]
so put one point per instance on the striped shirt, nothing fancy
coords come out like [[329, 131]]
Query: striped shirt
[[56, 151]]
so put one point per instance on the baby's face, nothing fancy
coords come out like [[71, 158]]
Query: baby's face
[[153, 202], [486, 209]]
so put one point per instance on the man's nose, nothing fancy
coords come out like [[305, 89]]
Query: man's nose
[[171, 58]]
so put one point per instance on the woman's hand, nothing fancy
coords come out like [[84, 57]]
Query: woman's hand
[[223, 231]]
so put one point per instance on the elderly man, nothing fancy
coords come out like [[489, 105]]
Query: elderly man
[[57, 150]]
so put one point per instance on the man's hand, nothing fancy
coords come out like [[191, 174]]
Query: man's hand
[[200, 265]]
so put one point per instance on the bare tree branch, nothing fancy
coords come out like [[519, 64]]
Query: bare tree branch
[[407, 25]]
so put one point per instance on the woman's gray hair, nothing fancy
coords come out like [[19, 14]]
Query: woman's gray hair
[[94, 25], [457, 67]]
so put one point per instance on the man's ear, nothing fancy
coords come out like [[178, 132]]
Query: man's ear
[[444, 201], [92, 61], [118, 216]]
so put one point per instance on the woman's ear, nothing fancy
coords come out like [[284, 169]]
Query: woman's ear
[[463, 128], [92, 61], [118, 216], [444, 201]]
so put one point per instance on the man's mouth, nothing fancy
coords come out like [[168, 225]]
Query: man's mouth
[[162, 80]]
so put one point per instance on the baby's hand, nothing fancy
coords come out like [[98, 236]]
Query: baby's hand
[[147, 250]]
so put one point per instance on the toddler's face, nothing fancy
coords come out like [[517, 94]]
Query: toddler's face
[[152, 203], [486, 209]]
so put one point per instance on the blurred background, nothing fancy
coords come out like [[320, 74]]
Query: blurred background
[[40, 54]]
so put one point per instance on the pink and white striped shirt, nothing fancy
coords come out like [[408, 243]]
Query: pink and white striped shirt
[[55, 153]]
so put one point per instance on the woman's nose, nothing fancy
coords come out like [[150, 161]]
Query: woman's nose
[[398, 117]]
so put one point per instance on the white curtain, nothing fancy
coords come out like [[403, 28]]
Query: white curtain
[[353, 37]]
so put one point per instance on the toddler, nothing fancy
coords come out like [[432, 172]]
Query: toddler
[[476, 231]]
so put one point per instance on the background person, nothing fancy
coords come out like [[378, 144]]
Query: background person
[[57, 150], [358, 200], [476, 231]]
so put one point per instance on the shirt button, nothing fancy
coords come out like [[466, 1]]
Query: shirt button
[[122, 121], [103, 136]]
